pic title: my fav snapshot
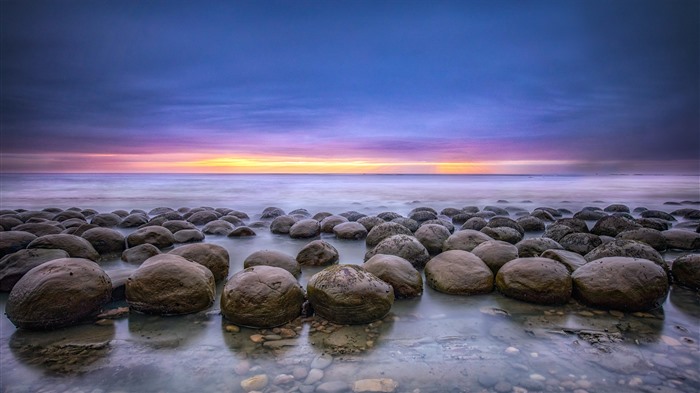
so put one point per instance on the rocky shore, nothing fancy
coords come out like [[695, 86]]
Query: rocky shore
[[598, 261]]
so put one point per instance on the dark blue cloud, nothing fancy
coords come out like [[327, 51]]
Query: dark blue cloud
[[594, 78]]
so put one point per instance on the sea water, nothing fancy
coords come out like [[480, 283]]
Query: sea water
[[435, 343]]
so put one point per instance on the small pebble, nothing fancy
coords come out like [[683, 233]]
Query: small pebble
[[512, 351], [616, 314], [232, 329], [537, 377], [257, 338]]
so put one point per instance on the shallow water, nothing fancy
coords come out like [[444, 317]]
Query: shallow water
[[437, 343]]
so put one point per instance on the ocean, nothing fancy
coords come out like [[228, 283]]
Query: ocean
[[436, 343]]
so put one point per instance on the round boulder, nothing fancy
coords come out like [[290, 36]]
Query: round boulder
[[465, 240], [202, 217], [106, 220], [535, 280], [652, 237], [280, 225], [505, 234], [273, 258], [397, 272], [16, 265], [212, 256], [370, 222], [139, 253], [531, 224], [262, 297], [328, 223], [75, 246], [350, 231], [39, 228], [681, 239], [686, 271], [536, 246], [217, 227], [348, 294], [105, 240], [621, 283], [432, 237], [242, 231], [12, 241], [495, 253], [474, 223], [189, 236], [157, 236], [170, 285], [580, 243], [58, 293], [133, 220], [613, 226], [625, 248], [385, 230], [304, 229], [404, 246], [317, 253], [570, 259], [458, 272], [175, 226]]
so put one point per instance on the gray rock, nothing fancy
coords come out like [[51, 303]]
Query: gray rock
[[282, 224], [404, 246], [578, 225], [17, 264], [271, 212], [317, 253], [625, 248], [212, 256], [649, 236], [495, 253], [474, 223], [410, 224], [169, 284], [370, 222], [613, 226], [505, 234], [39, 229], [106, 220], [105, 240], [621, 283], [273, 258], [306, 228], [571, 260], [465, 240], [157, 236], [347, 294], [685, 269], [189, 236], [617, 208], [139, 253], [531, 224], [406, 281], [682, 239], [329, 222], [385, 230], [580, 243], [242, 231], [217, 227], [75, 246], [175, 226], [657, 214], [535, 280], [459, 272], [58, 293], [350, 231], [133, 220], [534, 247], [13, 241], [432, 237], [202, 217], [262, 297]]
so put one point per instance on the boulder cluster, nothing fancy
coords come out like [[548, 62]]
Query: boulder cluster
[[607, 258]]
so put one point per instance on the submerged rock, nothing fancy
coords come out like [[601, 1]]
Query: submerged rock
[[169, 285], [282, 224], [459, 272], [535, 280], [58, 293], [348, 294], [262, 297], [621, 283], [304, 229], [406, 281], [189, 236], [317, 253]]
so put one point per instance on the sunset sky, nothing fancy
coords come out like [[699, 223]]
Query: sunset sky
[[350, 86]]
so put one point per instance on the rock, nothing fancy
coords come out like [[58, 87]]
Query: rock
[[169, 284], [242, 231], [13, 241], [544, 215], [139, 253], [39, 228], [649, 236], [495, 253], [625, 248], [442, 222], [404, 246], [375, 385], [534, 247], [273, 258], [17, 264], [58, 293], [189, 236], [352, 215], [385, 230], [239, 214], [106, 220], [569, 259], [531, 224], [505, 234], [314, 376], [499, 211], [105, 240], [580, 243], [306, 228], [212, 256], [347, 294], [9, 222], [576, 224], [681, 239], [322, 361], [617, 208], [256, 382], [654, 223], [282, 224], [300, 212], [432, 237], [657, 214], [133, 220], [262, 297], [75, 246], [463, 218], [328, 223], [450, 211], [411, 225], [685, 269], [333, 387], [498, 222], [459, 272], [422, 215], [157, 236], [535, 280], [370, 222], [350, 231], [203, 217], [217, 227], [317, 253], [613, 226], [271, 212], [465, 240], [406, 281], [175, 226], [621, 283], [590, 215]]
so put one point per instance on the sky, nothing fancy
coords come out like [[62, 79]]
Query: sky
[[492, 87]]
